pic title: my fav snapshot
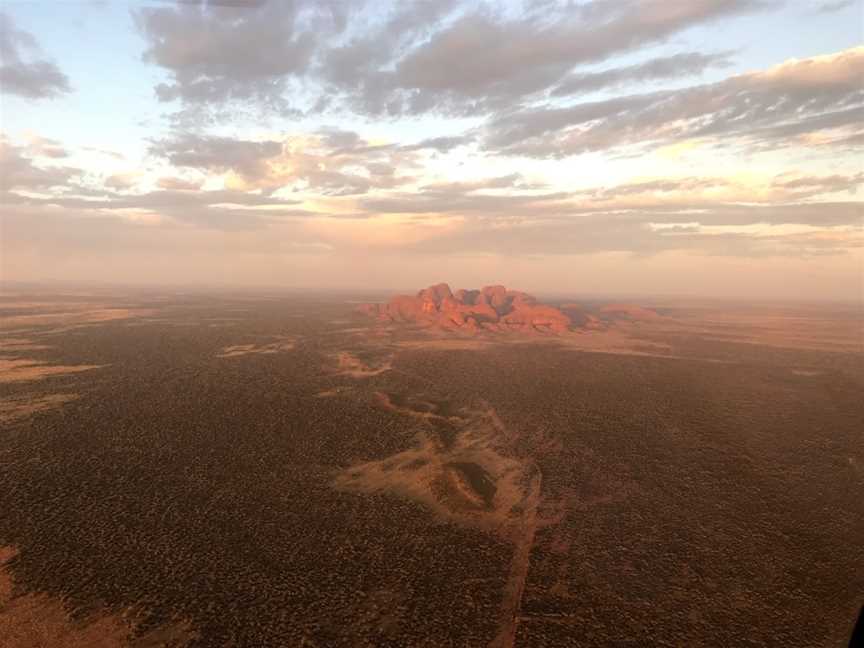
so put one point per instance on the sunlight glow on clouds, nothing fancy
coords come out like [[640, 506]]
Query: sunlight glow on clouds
[[365, 142]]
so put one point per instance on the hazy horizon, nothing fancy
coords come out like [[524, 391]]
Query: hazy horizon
[[119, 288], [618, 148]]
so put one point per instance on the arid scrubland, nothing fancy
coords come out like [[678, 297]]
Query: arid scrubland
[[286, 472]]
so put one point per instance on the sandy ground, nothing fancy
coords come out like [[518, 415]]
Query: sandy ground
[[432, 471], [27, 369], [464, 466], [69, 318], [336, 391], [15, 408], [20, 344], [249, 349], [443, 475], [40, 621], [351, 365]]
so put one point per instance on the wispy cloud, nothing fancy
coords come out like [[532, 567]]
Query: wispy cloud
[[22, 72], [774, 107]]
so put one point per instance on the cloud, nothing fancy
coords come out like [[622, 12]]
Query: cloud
[[79, 228], [351, 197], [121, 181], [104, 152], [775, 107], [179, 184], [783, 188], [211, 153], [217, 209], [81, 234], [358, 73], [18, 171], [45, 147], [813, 214], [483, 60], [61, 189], [21, 73], [667, 67], [835, 5], [410, 58], [601, 233], [511, 181], [464, 203], [441, 144], [810, 185], [735, 208], [329, 163], [235, 51]]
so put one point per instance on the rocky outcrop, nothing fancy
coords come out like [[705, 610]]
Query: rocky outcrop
[[496, 309], [580, 317], [493, 308]]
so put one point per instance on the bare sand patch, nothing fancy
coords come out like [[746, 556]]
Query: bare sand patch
[[72, 318], [420, 408], [807, 372], [336, 391], [12, 409], [477, 480], [350, 365], [473, 478], [20, 344], [218, 322], [352, 329], [246, 349], [41, 621], [42, 305], [25, 369]]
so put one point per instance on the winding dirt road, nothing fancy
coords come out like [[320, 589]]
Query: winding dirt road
[[512, 602]]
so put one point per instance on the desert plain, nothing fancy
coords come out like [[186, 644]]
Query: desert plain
[[281, 469]]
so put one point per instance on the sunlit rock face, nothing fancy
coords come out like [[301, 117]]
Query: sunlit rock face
[[492, 308], [497, 309]]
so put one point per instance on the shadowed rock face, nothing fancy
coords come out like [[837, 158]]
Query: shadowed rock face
[[493, 308]]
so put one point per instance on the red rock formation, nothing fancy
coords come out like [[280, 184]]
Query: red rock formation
[[580, 317], [493, 308]]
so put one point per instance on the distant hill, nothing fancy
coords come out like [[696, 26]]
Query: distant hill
[[496, 309]]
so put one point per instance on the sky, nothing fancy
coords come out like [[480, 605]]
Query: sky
[[706, 148]]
